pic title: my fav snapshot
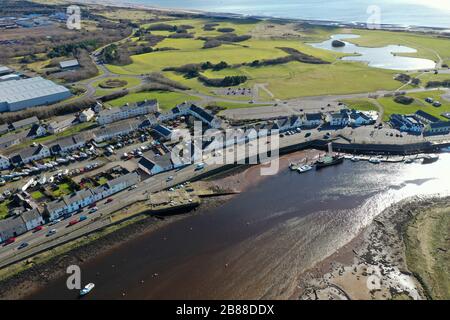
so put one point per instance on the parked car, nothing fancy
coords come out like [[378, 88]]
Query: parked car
[[94, 209], [73, 222], [308, 134], [9, 241], [109, 200], [38, 228], [82, 218], [92, 205]]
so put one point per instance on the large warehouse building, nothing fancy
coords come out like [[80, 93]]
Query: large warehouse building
[[26, 93]]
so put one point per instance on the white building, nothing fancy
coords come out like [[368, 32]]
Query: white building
[[127, 111], [32, 219], [17, 95], [85, 197], [86, 115], [29, 154]]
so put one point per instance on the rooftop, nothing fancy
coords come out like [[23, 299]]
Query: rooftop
[[25, 89], [69, 64]]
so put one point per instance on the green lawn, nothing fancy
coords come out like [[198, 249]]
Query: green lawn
[[287, 80], [167, 100], [4, 208], [36, 195], [131, 82], [63, 189], [361, 104], [391, 107]]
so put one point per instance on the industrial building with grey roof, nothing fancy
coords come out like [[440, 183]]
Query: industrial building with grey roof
[[26, 93]]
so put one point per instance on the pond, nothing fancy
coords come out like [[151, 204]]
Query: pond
[[383, 57]]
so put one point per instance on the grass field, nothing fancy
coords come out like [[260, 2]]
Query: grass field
[[427, 245], [284, 81], [360, 104], [390, 106], [167, 100], [131, 82], [428, 47]]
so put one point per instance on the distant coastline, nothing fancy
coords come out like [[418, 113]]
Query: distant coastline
[[210, 14]]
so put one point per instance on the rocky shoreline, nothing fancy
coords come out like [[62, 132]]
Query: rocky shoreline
[[373, 265]]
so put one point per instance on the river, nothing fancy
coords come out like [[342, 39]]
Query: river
[[257, 244]]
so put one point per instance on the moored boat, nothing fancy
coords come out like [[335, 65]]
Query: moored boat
[[375, 160], [304, 168], [329, 161]]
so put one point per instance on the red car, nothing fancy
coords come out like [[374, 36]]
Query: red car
[[9, 241], [73, 222], [93, 205], [38, 228], [109, 200]]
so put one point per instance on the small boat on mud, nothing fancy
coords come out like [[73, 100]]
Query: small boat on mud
[[430, 158], [88, 288]]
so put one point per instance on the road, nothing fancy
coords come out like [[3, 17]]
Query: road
[[38, 241]]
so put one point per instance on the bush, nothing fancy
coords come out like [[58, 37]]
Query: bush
[[225, 30], [162, 27], [113, 96], [404, 100], [228, 81]]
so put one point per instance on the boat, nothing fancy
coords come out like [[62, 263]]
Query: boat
[[88, 288], [430, 158], [294, 166], [409, 160], [329, 161], [304, 168], [375, 160], [354, 159]]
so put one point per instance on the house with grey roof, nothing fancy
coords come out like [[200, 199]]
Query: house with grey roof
[[112, 131], [24, 123], [67, 144], [28, 154], [312, 119], [69, 64], [12, 139], [36, 131], [12, 227], [152, 163], [4, 128], [32, 218], [60, 126]]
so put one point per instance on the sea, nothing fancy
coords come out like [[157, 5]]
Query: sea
[[430, 13]]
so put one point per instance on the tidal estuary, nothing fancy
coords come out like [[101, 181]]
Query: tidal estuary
[[258, 244]]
